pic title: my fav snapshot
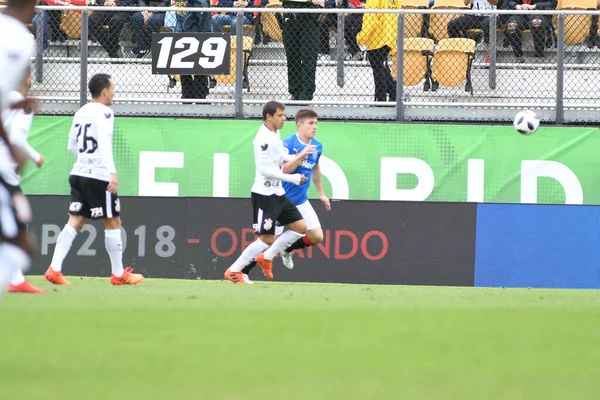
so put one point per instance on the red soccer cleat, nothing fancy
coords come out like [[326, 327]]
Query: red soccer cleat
[[56, 277], [24, 287], [128, 278]]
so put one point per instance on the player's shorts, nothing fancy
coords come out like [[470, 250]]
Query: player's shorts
[[270, 210], [308, 214], [15, 211], [90, 199]]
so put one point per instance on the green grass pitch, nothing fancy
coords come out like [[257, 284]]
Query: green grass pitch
[[171, 339]]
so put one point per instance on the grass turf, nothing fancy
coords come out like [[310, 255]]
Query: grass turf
[[169, 339]]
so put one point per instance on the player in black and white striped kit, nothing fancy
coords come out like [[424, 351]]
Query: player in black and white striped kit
[[270, 204], [94, 183], [16, 47]]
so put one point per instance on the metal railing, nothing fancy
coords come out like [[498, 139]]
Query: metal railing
[[561, 86]]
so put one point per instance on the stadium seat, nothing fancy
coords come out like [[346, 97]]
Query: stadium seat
[[577, 27], [413, 23], [417, 61], [452, 62], [438, 23], [270, 24], [230, 78], [70, 23]]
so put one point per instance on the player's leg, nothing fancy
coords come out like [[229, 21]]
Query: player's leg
[[264, 227], [23, 241], [63, 245], [314, 234], [114, 246], [16, 250], [79, 210], [291, 217]]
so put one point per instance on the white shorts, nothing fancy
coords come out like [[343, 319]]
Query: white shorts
[[308, 214]]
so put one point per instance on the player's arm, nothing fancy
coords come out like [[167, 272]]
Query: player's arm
[[290, 165], [105, 134], [72, 144], [317, 178], [18, 137], [264, 160]]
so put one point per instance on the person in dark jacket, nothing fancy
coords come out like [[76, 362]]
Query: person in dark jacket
[[196, 86], [144, 23], [539, 25], [115, 21]]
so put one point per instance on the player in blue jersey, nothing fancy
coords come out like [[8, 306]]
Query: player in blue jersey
[[308, 152]]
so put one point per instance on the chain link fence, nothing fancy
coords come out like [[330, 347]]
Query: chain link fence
[[336, 56]]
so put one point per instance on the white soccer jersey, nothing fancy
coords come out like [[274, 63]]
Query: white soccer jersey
[[17, 124], [90, 140], [269, 156], [16, 49]]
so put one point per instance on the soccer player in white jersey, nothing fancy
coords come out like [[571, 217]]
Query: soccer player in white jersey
[[269, 203], [17, 123], [15, 53], [94, 183], [307, 152]]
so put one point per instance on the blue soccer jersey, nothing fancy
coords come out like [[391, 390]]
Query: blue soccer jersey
[[298, 194]]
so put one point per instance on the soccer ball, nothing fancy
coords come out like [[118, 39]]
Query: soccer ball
[[526, 122]]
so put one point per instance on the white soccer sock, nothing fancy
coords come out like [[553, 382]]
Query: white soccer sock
[[254, 249], [63, 245], [13, 258], [114, 248], [283, 242], [17, 277]]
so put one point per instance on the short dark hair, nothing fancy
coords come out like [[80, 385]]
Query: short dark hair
[[98, 83], [271, 108], [305, 113]]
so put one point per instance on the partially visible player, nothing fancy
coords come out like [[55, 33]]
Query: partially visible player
[[307, 151], [17, 123], [270, 205], [15, 53], [93, 183]]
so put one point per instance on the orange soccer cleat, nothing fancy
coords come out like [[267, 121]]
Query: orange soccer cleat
[[56, 277], [24, 287], [235, 277], [128, 278], [265, 265]]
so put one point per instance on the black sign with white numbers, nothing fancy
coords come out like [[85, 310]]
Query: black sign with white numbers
[[191, 53]]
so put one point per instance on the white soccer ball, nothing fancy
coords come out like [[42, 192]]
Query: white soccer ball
[[526, 122]]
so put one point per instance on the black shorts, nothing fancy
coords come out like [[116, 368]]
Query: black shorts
[[90, 199], [273, 210], [15, 212]]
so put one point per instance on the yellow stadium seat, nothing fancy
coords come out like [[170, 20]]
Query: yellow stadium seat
[[247, 49], [452, 62], [270, 24], [417, 60], [438, 23]]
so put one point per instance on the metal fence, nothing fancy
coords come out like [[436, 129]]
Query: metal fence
[[456, 65]]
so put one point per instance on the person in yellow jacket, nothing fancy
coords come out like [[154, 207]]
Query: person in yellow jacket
[[378, 35]]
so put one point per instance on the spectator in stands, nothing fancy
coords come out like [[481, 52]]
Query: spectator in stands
[[196, 86], [539, 25], [106, 26], [458, 27], [593, 39], [301, 45], [378, 34], [230, 19], [352, 25], [145, 23], [52, 30], [174, 19]]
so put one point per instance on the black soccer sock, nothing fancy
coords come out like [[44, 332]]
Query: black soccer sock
[[299, 244], [246, 270]]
